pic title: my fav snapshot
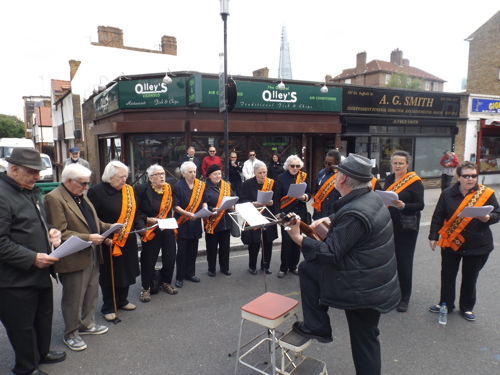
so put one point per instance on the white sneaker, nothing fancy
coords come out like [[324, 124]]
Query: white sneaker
[[76, 344], [95, 330]]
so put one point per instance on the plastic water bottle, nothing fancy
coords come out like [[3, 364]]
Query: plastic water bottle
[[443, 314]]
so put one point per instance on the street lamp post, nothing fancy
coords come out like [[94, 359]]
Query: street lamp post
[[224, 12]]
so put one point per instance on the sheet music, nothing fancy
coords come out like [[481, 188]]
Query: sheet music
[[387, 197], [297, 190], [112, 229], [70, 246], [169, 223], [250, 214], [264, 196], [228, 202], [203, 213], [475, 211]]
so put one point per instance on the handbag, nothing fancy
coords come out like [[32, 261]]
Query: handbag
[[235, 229], [409, 223]]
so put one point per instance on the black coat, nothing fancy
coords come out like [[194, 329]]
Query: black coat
[[477, 235], [22, 236], [107, 202], [282, 184]]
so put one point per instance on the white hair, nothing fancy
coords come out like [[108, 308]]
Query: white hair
[[258, 164], [112, 169], [153, 169], [186, 165], [289, 160], [74, 172]]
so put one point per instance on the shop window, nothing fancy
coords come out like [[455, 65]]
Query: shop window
[[428, 153], [489, 157], [384, 151]]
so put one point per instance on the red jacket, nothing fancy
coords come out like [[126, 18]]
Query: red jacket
[[449, 161], [208, 161]]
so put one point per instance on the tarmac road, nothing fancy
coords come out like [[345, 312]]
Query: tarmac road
[[193, 332]]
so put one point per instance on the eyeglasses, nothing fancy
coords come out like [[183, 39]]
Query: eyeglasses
[[159, 174], [211, 150], [251, 154], [469, 176], [294, 165], [84, 184], [331, 164], [398, 164]]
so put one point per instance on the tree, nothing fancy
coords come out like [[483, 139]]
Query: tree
[[404, 81], [11, 127]]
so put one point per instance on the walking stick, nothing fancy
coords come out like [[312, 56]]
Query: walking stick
[[116, 320]]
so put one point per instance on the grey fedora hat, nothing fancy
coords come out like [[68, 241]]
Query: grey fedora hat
[[357, 167], [27, 157]]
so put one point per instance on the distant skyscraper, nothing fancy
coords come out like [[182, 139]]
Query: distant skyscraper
[[285, 68]]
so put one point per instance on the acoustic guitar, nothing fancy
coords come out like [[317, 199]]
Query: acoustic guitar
[[318, 233]]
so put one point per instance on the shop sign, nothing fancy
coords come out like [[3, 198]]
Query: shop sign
[[194, 92], [152, 93], [399, 103], [485, 106], [106, 101], [260, 95]]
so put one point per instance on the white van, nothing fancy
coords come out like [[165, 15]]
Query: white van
[[46, 175]]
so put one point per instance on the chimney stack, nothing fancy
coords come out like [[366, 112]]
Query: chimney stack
[[360, 62], [262, 73], [169, 45], [110, 36], [73, 68], [397, 57]]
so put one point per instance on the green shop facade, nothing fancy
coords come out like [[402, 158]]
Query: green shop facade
[[141, 121]]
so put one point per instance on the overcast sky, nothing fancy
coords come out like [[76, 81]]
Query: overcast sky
[[37, 39]]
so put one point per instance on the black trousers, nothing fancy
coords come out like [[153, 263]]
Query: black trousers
[[164, 240], [405, 244], [26, 314], [187, 251], [265, 259], [445, 181], [363, 323], [218, 241], [471, 266], [290, 253], [121, 295]]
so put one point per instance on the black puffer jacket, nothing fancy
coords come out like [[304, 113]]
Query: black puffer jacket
[[477, 235]]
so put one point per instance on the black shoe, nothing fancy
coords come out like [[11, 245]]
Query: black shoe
[[301, 329], [211, 274], [267, 271], [226, 272], [193, 279], [402, 306], [179, 283], [252, 271], [468, 315], [54, 357]]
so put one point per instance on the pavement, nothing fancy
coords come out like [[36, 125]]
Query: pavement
[[196, 331]]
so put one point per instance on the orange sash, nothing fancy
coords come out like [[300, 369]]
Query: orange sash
[[165, 206], [286, 200], [212, 221], [405, 181], [374, 182], [323, 192], [127, 216], [194, 202], [268, 184], [450, 232]]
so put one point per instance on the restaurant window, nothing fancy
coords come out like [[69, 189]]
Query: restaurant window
[[489, 157], [428, 153]]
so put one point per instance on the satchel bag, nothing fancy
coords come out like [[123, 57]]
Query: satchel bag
[[409, 223], [235, 229]]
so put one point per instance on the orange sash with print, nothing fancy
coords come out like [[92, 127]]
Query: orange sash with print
[[405, 181], [374, 182], [165, 206], [286, 200], [268, 184], [323, 192], [194, 202], [450, 232], [126, 218], [212, 221]]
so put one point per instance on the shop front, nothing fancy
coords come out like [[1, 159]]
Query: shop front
[[377, 122], [141, 121]]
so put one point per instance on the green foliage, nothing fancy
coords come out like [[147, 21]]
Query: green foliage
[[404, 81], [11, 127]]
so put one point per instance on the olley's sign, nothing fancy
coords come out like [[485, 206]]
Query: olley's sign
[[260, 95]]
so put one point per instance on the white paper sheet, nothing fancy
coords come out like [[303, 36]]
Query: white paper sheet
[[387, 197], [297, 190], [203, 213], [169, 223], [70, 246], [264, 196], [250, 214], [476, 211], [112, 229], [228, 202]]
